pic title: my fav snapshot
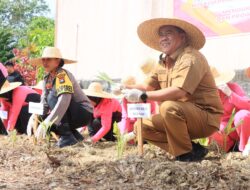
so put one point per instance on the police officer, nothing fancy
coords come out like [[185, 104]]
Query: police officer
[[65, 102]]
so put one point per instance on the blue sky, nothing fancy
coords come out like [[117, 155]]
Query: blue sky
[[52, 6]]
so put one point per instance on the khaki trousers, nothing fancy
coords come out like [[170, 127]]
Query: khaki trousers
[[176, 125]]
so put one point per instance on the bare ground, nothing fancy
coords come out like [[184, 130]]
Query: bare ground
[[25, 165]]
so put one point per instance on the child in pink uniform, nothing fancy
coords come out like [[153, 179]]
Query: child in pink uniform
[[107, 110], [14, 100], [233, 97]]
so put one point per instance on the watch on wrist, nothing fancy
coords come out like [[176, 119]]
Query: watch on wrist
[[144, 97]]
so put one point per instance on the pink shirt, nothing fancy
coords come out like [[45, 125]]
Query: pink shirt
[[104, 110], [237, 100], [18, 100]]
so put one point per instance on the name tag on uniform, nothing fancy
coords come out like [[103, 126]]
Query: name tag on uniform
[[139, 110], [3, 114], [36, 108]]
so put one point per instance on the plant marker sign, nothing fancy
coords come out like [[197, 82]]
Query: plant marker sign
[[142, 110]]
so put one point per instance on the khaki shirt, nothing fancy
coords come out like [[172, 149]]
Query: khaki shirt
[[190, 72]]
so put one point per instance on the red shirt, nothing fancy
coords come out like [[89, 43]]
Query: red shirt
[[104, 110]]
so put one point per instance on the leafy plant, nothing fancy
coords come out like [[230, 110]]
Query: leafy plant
[[121, 143], [104, 76], [229, 128], [13, 136], [202, 141], [47, 128]]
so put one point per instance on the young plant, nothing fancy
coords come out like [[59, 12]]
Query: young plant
[[121, 143], [47, 128], [229, 129], [13, 136], [104, 76]]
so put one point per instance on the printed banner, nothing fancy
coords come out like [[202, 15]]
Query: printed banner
[[215, 17]]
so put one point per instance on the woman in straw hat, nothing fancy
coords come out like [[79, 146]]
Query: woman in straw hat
[[107, 111], [183, 83], [67, 105], [14, 103], [232, 97]]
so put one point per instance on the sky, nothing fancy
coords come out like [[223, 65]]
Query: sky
[[52, 6]]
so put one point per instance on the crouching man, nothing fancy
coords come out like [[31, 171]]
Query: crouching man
[[184, 85]]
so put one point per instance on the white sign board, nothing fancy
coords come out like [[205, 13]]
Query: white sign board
[[139, 110], [3, 114], [36, 108]]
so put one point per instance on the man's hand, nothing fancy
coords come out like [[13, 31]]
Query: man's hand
[[133, 95], [225, 89]]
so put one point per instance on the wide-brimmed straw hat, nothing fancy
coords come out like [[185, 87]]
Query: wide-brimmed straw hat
[[8, 86], [5, 85], [50, 52], [148, 32], [95, 89], [148, 66], [128, 80], [222, 77]]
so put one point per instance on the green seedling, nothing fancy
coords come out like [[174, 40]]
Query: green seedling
[[13, 136], [121, 143], [229, 128]]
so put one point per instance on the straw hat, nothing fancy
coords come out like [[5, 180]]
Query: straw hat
[[50, 52], [38, 86], [5, 85], [148, 66], [129, 80], [148, 32], [8, 86], [222, 77], [95, 89]]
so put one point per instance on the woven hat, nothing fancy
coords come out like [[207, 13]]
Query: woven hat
[[5, 85], [50, 52], [95, 89], [148, 66], [128, 80], [148, 32], [222, 77]]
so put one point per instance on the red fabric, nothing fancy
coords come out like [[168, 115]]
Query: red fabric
[[18, 100], [104, 110], [241, 103]]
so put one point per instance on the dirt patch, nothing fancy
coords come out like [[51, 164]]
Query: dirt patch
[[24, 165]]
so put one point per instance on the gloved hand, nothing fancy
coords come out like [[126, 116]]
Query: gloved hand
[[132, 95], [31, 124], [42, 130], [225, 89], [117, 88]]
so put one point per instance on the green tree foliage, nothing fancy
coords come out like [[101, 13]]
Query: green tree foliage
[[17, 14], [6, 45], [39, 33]]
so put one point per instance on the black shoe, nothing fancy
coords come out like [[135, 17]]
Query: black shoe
[[199, 150], [77, 135], [67, 140], [198, 153]]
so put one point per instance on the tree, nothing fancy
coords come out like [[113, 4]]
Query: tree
[[6, 45], [16, 14], [39, 34]]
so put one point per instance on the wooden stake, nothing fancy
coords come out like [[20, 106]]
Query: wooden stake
[[35, 124], [139, 137]]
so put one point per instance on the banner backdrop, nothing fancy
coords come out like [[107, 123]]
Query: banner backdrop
[[215, 17]]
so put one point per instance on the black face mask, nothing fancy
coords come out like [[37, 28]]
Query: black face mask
[[97, 100], [7, 95]]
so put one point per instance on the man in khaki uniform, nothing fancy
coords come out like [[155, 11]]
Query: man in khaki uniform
[[190, 106]]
